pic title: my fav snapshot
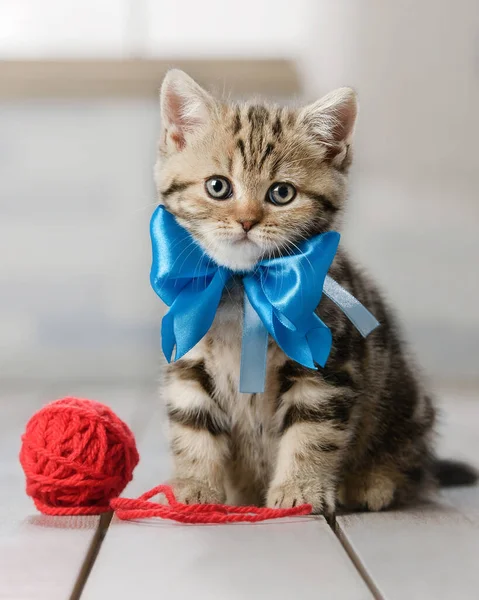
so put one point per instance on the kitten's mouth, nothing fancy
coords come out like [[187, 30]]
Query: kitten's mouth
[[243, 239]]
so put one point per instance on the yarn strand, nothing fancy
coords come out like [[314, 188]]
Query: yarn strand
[[142, 508], [71, 511]]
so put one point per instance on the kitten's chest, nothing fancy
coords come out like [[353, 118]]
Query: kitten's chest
[[252, 416], [223, 346], [224, 341]]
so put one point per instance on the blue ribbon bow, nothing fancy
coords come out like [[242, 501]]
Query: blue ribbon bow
[[281, 295]]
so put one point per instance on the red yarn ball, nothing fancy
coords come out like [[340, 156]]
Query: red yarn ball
[[77, 455]]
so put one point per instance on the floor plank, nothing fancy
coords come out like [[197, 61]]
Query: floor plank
[[428, 552], [41, 557], [295, 558]]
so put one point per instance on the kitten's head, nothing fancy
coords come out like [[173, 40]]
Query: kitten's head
[[251, 181]]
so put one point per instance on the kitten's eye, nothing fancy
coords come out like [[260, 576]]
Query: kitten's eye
[[281, 193], [218, 188]]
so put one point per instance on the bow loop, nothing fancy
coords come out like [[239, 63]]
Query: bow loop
[[285, 292], [293, 283], [186, 280]]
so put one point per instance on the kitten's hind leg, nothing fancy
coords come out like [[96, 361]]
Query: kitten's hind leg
[[374, 490]]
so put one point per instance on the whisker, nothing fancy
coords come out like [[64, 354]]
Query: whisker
[[156, 203]]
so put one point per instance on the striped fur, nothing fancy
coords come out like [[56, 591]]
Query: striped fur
[[356, 433]]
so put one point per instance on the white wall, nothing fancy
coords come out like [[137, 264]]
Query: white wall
[[49, 28], [76, 194], [149, 27]]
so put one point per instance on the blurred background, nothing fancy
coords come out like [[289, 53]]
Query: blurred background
[[78, 126]]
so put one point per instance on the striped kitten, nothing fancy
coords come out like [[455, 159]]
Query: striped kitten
[[248, 181]]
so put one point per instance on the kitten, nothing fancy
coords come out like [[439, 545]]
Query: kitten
[[248, 181]]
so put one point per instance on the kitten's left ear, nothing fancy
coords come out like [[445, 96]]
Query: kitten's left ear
[[186, 109], [331, 121]]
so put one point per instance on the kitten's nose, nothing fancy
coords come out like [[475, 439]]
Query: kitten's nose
[[247, 225]]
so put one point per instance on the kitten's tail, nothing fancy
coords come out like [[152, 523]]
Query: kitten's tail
[[450, 473]]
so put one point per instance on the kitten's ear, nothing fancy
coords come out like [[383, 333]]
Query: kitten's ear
[[185, 109], [331, 120]]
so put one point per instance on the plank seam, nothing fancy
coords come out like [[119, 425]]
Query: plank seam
[[354, 558], [91, 555]]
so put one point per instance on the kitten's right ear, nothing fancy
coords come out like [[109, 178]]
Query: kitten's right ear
[[331, 122], [185, 109]]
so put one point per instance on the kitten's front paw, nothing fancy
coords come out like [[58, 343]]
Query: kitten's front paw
[[191, 491], [295, 492]]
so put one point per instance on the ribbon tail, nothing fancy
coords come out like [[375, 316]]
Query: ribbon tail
[[359, 315], [168, 338], [254, 348], [191, 315], [319, 341]]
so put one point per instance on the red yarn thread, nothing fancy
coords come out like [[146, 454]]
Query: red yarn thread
[[77, 455], [142, 508]]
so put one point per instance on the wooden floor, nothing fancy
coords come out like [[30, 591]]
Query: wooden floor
[[429, 552]]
